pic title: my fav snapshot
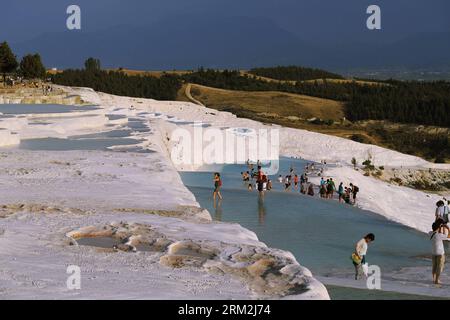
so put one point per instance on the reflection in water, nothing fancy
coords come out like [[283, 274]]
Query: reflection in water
[[218, 211], [261, 210]]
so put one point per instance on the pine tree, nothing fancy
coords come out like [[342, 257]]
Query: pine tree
[[31, 67], [92, 64], [8, 62]]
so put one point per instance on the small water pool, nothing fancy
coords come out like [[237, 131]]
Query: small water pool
[[118, 133], [138, 125], [99, 242], [15, 109], [111, 243], [56, 144], [116, 116]]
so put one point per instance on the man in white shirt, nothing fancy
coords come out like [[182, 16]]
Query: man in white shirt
[[437, 236], [361, 251]]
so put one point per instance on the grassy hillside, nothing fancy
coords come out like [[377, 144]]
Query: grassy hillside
[[270, 104]]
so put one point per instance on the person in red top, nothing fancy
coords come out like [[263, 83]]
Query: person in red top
[[296, 181], [217, 186], [260, 174]]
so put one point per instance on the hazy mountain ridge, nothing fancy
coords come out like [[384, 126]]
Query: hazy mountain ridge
[[228, 42]]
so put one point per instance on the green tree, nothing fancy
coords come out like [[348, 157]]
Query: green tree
[[8, 62], [92, 64], [31, 66]]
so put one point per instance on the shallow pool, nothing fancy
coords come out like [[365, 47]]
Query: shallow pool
[[320, 233], [10, 109], [56, 144]]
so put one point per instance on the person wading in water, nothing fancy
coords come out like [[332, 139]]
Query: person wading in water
[[217, 186]]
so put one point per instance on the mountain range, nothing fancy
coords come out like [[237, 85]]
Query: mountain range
[[217, 41]]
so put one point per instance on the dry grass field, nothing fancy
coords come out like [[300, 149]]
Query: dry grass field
[[290, 110], [271, 104]]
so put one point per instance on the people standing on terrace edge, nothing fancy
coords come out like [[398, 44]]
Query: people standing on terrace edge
[[341, 192], [302, 188], [322, 181], [295, 181], [323, 189], [437, 236], [347, 196], [354, 192], [359, 256], [269, 185], [310, 190], [330, 188], [303, 178], [245, 176], [217, 186], [287, 182]]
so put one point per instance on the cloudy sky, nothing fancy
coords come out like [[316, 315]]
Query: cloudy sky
[[319, 20], [165, 34]]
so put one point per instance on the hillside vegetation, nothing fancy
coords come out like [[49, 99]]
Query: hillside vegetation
[[164, 87], [414, 102], [294, 73]]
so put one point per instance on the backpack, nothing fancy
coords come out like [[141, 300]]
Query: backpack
[[220, 182], [355, 189]]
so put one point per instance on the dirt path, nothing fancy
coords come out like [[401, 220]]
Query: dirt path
[[190, 97]]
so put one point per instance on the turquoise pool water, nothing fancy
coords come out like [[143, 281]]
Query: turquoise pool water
[[121, 137], [55, 144], [14, 109], [320, 233]]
